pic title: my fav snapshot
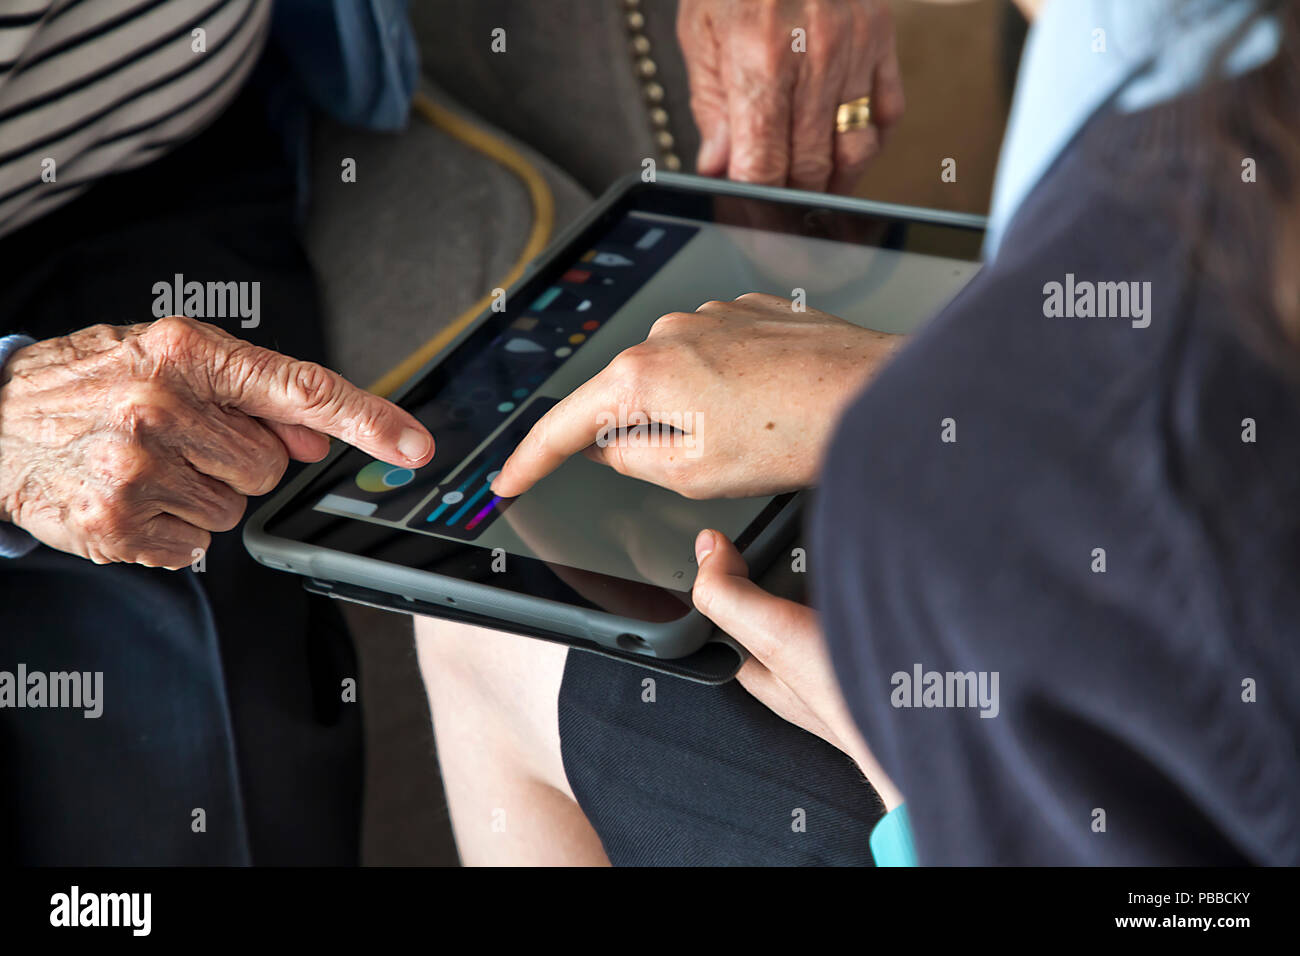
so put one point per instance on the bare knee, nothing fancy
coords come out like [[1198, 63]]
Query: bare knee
[[508, 683], [495, 692], [494, 702]]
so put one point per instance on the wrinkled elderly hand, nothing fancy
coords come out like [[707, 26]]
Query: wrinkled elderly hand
[[133, 443], [766, 112]]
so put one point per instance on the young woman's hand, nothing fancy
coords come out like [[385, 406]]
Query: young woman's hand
[[754, 386], [790, 670]]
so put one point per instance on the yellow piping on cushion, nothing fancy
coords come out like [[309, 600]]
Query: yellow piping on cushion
[[543, 222]]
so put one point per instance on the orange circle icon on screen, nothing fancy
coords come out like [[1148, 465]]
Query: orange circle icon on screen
[[379, 476]]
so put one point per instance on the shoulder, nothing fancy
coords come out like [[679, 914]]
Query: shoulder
[[1060, 496]]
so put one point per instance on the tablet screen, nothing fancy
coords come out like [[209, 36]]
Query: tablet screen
[[586, 533]]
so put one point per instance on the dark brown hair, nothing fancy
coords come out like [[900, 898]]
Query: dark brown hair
[[1259, 119]]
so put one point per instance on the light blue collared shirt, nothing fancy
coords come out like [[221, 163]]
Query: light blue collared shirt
[[1083, 54]]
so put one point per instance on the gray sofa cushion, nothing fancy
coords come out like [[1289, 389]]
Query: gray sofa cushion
[[566, 84], [429, 226]]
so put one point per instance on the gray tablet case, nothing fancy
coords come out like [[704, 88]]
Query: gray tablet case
[[718, 659], [714, 663]]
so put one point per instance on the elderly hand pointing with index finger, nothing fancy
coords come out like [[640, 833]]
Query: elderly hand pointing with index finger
[[134, 443]]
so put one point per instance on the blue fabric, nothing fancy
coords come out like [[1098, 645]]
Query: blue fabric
[[9, 344], [1154, 50], [356, 60], [14, 542], [891, 840]]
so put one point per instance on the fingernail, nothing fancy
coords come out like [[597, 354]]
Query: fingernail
[[414, 444], [496, 482], [710, 155], [703, 546]]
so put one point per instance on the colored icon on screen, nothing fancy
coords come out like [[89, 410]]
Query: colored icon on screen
[[546, 298], [557, 298], [522, 345], [649, 238], [378, 477]]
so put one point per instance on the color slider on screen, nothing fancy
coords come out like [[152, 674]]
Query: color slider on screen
[[452, 499]]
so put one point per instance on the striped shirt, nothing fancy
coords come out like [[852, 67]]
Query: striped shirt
[[92, 87]]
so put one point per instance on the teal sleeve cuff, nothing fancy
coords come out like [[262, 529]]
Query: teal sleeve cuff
[[891, 840]]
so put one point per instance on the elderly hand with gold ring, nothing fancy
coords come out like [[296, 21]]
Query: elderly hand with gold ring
[[791, 92]]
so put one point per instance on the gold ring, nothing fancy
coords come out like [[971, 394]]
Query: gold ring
[[855, 114]]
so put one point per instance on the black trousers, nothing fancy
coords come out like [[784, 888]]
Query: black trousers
[[224, 737], [693, 775]]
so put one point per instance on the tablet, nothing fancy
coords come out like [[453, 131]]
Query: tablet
[[588, 554]]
